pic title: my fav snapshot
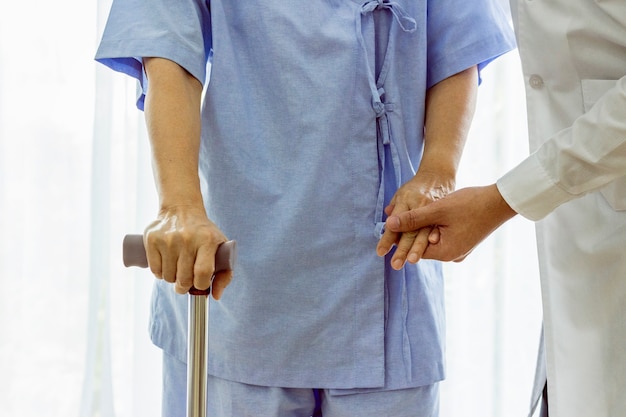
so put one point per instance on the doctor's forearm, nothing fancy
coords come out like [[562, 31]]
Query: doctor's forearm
[[573, 162]]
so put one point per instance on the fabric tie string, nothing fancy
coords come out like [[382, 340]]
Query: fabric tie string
[[381, 109]]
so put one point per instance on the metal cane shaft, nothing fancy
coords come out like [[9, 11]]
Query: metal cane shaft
[[134, 254], [197, 355]]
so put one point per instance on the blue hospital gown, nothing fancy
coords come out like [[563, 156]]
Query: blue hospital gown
[[312, 118]]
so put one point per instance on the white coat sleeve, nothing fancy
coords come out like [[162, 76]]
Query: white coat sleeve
[[577, 160]]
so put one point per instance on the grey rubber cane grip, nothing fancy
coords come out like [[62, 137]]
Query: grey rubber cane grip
[[134, 253]]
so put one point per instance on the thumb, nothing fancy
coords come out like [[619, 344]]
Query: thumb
[[411, 220]]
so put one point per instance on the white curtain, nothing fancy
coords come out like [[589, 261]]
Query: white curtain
[[75, 177]]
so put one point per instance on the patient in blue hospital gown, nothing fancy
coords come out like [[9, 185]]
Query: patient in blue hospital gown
[[320, 118]]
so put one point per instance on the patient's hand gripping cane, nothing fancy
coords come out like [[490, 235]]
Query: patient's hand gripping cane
[[197, 342]]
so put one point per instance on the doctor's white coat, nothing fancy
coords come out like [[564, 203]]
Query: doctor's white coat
[[574, 62]]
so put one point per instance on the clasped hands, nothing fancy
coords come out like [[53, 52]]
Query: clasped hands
[[447, 228]]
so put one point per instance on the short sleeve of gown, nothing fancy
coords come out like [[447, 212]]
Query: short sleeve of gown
[[176, 30], [462, 34]]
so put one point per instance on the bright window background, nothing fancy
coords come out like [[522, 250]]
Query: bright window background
[[75, 177]]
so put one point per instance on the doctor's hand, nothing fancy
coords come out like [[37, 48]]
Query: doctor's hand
[[181, 245], [421, 190], [463, 219]]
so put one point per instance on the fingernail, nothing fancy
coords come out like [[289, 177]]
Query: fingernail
[[397, 264], [412, 258], [393, 222]]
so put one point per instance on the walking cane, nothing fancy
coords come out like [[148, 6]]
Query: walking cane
[[134, 254]]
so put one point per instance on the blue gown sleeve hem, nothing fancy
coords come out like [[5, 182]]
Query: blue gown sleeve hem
[[475, 54], [127, 59]]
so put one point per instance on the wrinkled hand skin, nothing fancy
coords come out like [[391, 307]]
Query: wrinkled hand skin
[[464, 218], [181, 245], [422, 189]]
